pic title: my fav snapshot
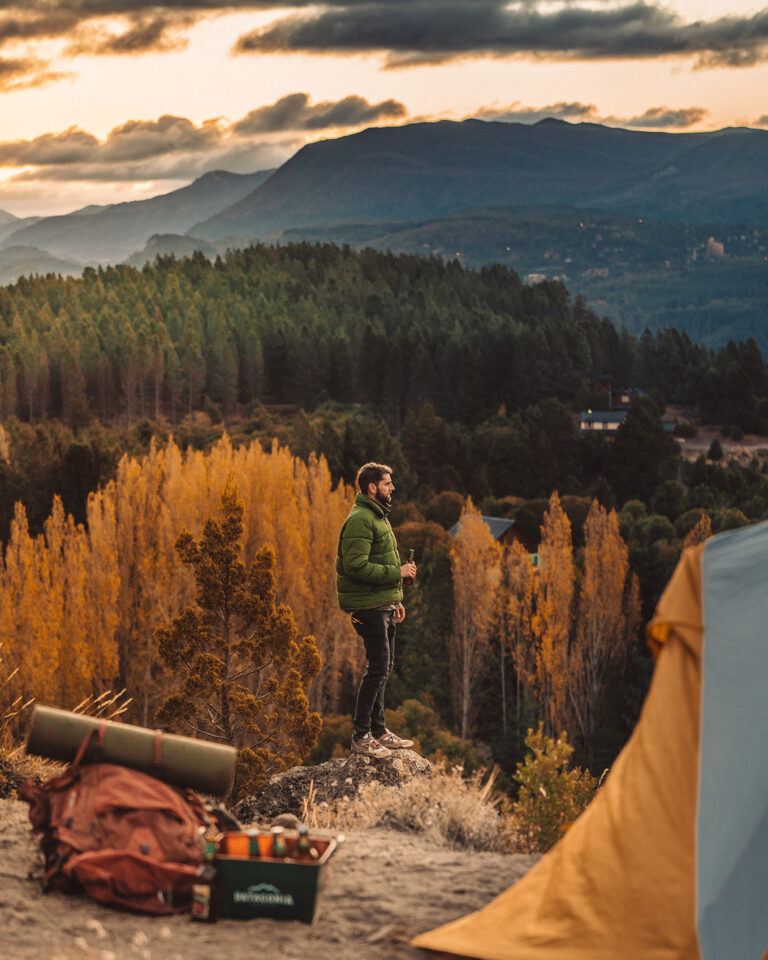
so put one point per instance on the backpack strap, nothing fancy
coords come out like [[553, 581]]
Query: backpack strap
[[95, 736], [158, 747]]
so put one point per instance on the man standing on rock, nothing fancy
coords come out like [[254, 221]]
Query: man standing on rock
[[369, 585]]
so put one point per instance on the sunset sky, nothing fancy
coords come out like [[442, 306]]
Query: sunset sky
[[110, 100]]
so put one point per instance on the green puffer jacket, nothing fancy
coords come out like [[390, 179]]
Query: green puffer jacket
[[367, 561]]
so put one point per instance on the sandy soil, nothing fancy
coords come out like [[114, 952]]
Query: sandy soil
[[380, 888]]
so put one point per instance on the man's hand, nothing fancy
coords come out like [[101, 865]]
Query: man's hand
[[399, 613], [408, 570]]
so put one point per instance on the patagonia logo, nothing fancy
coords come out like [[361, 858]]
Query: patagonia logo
[[264, 894]]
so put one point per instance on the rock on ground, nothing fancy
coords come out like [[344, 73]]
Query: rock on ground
[[286, 792]]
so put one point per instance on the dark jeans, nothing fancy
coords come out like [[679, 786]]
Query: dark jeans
[[377, 628]]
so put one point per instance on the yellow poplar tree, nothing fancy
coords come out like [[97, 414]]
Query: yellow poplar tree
[[554, 614], [476, 564], [699, 532], [608, 615], [516, 611]]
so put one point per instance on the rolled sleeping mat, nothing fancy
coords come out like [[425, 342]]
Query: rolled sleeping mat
[[180, 761]]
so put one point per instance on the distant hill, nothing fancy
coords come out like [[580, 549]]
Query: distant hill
[[723, 178], [111, 233], [428, 170], [639, 272], [21, 261], [167, 244], [10, 224]]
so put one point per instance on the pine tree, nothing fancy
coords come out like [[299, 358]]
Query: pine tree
[[244, 672]]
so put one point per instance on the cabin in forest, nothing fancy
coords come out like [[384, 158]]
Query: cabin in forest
[[603, 421]]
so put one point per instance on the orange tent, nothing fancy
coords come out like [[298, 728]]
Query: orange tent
[[624, 883]]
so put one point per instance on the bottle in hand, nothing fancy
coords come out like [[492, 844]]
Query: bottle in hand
[[407, 581]]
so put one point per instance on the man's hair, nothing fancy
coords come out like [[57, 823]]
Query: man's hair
[[371, 473]]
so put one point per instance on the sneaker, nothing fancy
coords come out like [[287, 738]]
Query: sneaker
[[393, 742], [369, 746]]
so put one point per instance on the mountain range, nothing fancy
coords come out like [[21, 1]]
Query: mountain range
[[112, 233], [488, 191], [430, 170]]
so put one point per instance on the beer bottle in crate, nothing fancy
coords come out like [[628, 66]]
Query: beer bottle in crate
[[205, 888], [279, 846], [303, 843]]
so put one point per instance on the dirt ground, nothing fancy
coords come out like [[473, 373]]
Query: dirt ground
[[751, 444], [379, 889]]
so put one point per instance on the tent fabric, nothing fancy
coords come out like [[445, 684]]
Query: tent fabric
[[621, 882], [732, 823]]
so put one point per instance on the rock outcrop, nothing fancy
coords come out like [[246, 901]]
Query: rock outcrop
[[331, 781]]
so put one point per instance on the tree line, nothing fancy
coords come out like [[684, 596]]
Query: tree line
[[305, 323]]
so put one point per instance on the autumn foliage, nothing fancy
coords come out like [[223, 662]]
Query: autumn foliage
[[565, 624], [242, 669], [475, 559], [79, 604]]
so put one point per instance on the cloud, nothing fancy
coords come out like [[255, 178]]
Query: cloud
[[665, 118], [177, 166], [659, 118], [424, 31], [24, 73], [517, 113], [159, 34], [405, 32], [71, 146], [294, 112], [174, 147]]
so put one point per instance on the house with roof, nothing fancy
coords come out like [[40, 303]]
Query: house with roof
[[606, 422]]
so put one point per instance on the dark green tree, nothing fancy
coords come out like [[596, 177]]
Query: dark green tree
[[639, 453], [243, 671]]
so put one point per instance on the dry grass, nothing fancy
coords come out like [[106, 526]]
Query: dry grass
[[16, 765], [106, 706], [446, 807]]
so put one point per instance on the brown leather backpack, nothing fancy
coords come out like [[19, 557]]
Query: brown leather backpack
[[123, 836]]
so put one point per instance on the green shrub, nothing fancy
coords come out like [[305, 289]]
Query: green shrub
[[728, 519], [551, 796]]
